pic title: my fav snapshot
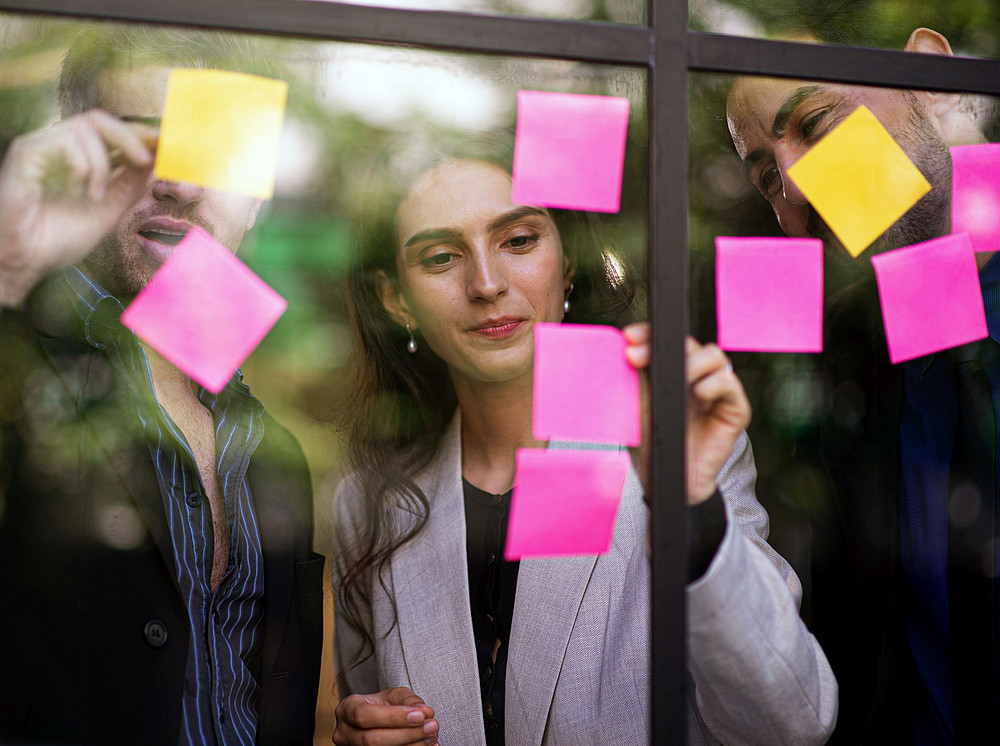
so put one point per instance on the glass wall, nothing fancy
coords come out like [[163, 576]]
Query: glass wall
[[973, 28], [363, 122]]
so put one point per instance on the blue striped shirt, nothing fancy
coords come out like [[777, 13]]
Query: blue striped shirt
[[221, 689]]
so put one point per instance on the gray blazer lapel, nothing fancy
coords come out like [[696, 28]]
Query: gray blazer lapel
[[549, 594], [431, 586]]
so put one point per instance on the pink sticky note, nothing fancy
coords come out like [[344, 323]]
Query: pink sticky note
[[569, 150], [204, 310], [564, 502], [975, 194], [585, 389], [769, 294], [930, 294]]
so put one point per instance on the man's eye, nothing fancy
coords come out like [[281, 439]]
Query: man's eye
[[769, 179], [808, 126]]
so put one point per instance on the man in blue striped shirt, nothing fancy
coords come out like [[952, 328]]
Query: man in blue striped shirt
[[158, 582]]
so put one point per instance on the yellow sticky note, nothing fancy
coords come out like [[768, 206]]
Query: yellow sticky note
[[221, 130], [859, 180]]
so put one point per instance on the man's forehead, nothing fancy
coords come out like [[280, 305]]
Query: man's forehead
[[761, 97], [133, 92]]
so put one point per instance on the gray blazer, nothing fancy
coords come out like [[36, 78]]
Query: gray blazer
[[578, 666]]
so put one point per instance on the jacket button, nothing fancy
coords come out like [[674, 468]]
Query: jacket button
[[155, 634]]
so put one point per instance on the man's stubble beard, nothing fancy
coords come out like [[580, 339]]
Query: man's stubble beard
[[929, 218]]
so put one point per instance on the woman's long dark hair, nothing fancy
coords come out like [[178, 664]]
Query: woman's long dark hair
[[403, 402]]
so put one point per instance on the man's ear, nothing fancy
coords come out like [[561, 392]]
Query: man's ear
[[928, 41], [393, 301], [955, 114]]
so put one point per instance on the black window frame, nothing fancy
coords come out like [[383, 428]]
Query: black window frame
[[670, 52]]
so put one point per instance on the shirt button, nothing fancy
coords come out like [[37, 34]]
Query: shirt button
[[490, 620], [489, 672], [492, 558], [496, 499], [155, 634], [193, 499]]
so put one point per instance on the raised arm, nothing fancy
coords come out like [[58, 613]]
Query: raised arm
[[64, 188]]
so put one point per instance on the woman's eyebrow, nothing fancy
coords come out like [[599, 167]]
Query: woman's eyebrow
[[432, 234], [516, 214]]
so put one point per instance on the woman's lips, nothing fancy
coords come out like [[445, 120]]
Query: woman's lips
[[498, 328]]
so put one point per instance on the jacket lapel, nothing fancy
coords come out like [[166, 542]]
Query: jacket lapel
[[269, 485], [549, 594], [431, 587], [118, 443]]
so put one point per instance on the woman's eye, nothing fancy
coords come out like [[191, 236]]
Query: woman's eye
[[438, 260], [522, 242]]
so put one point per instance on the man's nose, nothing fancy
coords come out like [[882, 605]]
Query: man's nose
[[487, 280], [179, 192], [786, 158]]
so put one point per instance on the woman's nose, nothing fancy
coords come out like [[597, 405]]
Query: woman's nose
[[487, 279]]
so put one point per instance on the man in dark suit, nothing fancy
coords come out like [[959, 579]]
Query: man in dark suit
[[903, 566], [158, 580]]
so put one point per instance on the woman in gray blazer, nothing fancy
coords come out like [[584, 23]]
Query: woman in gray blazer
[[437, 637]]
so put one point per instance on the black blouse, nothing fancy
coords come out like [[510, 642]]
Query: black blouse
[[492, 583]]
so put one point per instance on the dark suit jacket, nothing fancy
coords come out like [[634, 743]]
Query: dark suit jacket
[[856, 580], [93, 631]]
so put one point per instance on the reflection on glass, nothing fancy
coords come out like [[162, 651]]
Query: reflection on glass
[[81, 424], [879, 477], [613, 11], [972, 27]]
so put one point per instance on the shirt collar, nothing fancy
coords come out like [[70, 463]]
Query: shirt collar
[[100, 312], [98, 309], [989, 279]]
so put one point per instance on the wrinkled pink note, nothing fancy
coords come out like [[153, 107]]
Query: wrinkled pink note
[[584, 389], [569, 150], [204, 310], [931, 298], [975, 195], [564, 502], [769, 294]]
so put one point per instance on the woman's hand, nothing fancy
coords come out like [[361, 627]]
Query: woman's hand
[[63, 189], [718, 410], [392, 717]]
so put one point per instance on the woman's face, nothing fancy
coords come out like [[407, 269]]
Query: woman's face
[[476, 272]]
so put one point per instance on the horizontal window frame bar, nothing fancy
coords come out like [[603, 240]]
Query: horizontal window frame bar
[[735, 55], [584, 41]]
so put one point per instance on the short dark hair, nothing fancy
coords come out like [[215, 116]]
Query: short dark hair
[[105, 46]]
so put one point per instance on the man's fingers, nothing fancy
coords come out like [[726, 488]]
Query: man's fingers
[[132, 143]]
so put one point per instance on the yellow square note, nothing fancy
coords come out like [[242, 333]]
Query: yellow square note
[[221, 130], [859, 180]]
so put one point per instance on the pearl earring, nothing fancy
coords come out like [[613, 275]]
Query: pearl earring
[[566, 299], [411, 346]]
